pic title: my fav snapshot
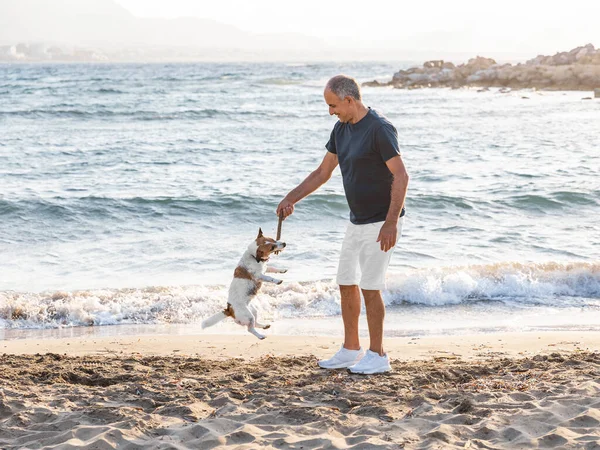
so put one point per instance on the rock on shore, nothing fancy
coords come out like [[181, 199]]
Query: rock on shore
[[578, 69]]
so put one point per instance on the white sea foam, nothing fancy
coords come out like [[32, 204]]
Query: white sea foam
[[551, 284], [526, 283]]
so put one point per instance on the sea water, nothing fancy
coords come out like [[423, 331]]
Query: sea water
[[128, 193]]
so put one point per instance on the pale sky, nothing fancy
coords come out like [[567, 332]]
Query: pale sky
[[577, 22]]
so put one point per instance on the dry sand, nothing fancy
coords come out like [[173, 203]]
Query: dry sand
[[504, 391]]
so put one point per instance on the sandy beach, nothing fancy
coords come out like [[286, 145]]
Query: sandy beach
[[503, 390]]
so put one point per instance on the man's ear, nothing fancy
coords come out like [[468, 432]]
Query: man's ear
[[260, 233]]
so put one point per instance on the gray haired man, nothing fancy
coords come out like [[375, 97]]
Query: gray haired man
[[365, 145]]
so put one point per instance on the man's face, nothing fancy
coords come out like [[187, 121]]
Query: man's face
[[339, 107]]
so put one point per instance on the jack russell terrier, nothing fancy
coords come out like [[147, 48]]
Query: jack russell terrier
[[247, 280]]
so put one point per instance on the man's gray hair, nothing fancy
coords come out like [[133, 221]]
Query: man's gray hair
[[344, 86]]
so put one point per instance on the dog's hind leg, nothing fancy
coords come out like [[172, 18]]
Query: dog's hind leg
[[252, 330], [254, 311], [248, 320]]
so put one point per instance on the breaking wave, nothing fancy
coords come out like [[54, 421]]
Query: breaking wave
[[513, 284]]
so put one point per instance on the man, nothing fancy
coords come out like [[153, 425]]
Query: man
[[365, 145]]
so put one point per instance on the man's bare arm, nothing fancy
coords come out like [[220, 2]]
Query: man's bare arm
[[389, 230], [314, 181], [399, 188]]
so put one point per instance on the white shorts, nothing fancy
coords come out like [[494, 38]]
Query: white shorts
[[362, 262]]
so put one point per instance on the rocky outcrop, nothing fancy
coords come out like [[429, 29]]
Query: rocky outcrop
[[578, 69], [580, 55]]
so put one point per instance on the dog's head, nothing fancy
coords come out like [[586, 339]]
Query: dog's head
[[262, 247]]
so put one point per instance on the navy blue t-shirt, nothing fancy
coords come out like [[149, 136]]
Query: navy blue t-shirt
[[362, 150]]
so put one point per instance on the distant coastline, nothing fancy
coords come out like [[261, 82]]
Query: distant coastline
[[575, 70], [43, 52]]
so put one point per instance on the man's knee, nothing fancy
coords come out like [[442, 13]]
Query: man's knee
[[349, 291], [369, 294], [348, 287]]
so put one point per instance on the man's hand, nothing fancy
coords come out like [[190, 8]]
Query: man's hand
[[286, 207], [388, 235]]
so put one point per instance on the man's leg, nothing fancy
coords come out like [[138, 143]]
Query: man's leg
[[350, 352], [375, 360], [375, 314], [374, 263], [350, 313]]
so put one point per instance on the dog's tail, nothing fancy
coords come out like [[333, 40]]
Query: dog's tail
[[213, 320]]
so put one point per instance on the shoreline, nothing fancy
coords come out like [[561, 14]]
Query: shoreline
[[247, 347]]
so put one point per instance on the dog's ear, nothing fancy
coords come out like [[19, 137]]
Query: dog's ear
[[260, 233]]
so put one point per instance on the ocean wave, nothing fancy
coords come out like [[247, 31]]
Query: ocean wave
[[33, 208], [552, 201], [103, 207], [109, 91], [550, 284], [543, 283], [59, 111], [533, 202], [440, 202], [280, 81], [577, 198], [110, 114]]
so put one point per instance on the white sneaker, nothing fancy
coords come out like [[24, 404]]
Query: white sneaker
[[371, 363], [343, 359]]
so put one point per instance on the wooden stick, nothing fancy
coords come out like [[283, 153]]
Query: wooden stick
[[279, 228]]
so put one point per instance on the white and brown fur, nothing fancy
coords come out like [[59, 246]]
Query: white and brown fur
[[247, 280]]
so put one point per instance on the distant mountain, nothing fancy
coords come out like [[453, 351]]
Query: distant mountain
[[102, 30], [105, 23]]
